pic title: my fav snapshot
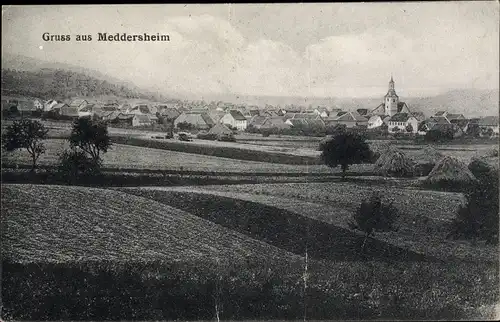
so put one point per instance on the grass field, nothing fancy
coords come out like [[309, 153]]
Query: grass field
[[422, 227], [43, 223], [156, 262], [130, 157]]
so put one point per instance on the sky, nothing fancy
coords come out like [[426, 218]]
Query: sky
[[310, 50]]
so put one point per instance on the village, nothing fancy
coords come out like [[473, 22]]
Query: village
[[391, 117]]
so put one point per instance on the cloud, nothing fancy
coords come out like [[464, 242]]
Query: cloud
[[210, 54]]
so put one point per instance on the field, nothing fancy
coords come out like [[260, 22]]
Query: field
[[43, 223], [134, 157], [422, 226], [157, 261]]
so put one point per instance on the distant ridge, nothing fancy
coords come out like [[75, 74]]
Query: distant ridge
[[470, 102]]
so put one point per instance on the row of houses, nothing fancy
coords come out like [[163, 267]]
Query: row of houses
[[392, 116]]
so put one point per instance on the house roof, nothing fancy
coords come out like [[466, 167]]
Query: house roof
[[380, 109], [460, 122], [351, 116], [237, 115], [454, 116], [258, 120], [488, 121], [142, 118], [69, 110], [420, 116], [439, 120], [170, 113], [440, 113], [402, 105], [400, 117], [220, 128], [59, 105], [362, 111], [77, 102]]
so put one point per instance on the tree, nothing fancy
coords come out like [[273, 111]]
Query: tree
[[26, 134], [478, 218], [345, 149], [409, 128], [75, 164], [91, 137], [373, 215]]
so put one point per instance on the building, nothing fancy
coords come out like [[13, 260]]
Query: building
[[199, 121], [141, 120], [391, 104], [375, 121], [79, 104], [235, 119], [349, 119], [48, 105], [489, 123], [400, 122], [139, 109], [220, 129], [38, 104]]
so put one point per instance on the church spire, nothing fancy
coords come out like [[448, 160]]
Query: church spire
[[391, 84]]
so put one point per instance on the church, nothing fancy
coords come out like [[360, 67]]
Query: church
[[393, 113], [391, 104]]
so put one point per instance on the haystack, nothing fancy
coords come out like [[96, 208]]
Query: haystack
[[394, 162], [450, 170]]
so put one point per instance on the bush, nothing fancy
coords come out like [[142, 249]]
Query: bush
[[207, 136], [478, 219], [373, 215], [76, 164], [226, 138]]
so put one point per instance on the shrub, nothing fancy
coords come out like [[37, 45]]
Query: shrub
[[227, 138], [206, 136], [373, 215], [478, 219], [76, 164]]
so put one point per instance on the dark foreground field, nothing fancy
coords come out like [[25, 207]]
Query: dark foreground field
[[79, 253]]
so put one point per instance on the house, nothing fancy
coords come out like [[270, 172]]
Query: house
[[375, 121], [443, 127], [48, 105], [220, 129], [38, 104], [274, 122], [139, 109], [69, 111], [362, 111], [349, 119], [451, 117], [124, 107], [141, 120], [170, 114], [420, 116], [322, 111], [200, 121], [79, 103], [26, 106], [235, 119], [401, 121], [439, 120], [257, 121], [489, 123], [463, 124], [120, 118], [216, 115]]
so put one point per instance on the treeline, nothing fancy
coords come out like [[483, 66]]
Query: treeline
[[63, 84]]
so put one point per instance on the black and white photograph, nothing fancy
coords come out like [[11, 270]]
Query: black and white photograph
[[250, 162]]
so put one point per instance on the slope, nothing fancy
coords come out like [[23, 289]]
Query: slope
[[43, 223]]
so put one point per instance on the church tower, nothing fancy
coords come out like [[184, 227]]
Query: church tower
[[391, 100]]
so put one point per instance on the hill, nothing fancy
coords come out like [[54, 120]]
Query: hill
[[43, 223], [60, 84]]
